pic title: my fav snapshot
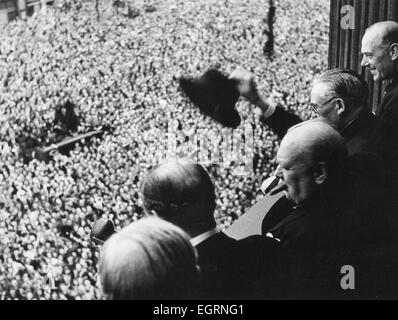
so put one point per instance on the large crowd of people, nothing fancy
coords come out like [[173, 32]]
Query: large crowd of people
[[122, 73]]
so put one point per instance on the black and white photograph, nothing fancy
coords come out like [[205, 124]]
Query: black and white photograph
[[198, 150]]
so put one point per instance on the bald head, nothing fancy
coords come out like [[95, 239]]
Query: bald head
[[316, 140], [386, 32], [380, 50], [312, 157]]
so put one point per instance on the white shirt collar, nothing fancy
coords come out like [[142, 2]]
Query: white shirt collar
[[203, 236]]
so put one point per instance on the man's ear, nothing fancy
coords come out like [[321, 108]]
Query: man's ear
[[151, 212], [320, 173], [394, 51], [340, 106]]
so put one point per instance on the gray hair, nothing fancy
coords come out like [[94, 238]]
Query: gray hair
[[149, 259], [347, 85]]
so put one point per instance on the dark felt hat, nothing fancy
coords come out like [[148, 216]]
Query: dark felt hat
[[215, 95]]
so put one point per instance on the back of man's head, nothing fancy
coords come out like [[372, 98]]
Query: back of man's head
[[182, 193], [321, 143], [149, 259], [347, 85]]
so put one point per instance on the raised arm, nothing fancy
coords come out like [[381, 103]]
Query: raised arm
[[270, 112]]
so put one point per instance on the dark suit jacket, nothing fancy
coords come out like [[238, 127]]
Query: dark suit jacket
[[369, 157], [312, 225], [232, 269], [259, 274], [215, 256], [387, 111], [317, 242], [388, 108]]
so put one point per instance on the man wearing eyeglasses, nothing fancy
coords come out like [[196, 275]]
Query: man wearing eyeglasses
[[340, 97]]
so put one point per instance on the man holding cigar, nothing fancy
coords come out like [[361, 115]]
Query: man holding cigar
[[340, 97], [313, 221]]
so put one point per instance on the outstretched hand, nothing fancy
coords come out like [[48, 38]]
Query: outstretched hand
[[245, 84]]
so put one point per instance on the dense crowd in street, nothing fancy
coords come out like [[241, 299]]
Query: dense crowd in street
[[122, 73]]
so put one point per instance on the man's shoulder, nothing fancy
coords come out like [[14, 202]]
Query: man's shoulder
[[392, 89], [218, 241], [257, 245], [390, 98], [366, 135], [388, 107], [276, 214]]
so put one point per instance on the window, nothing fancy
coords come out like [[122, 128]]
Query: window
[[12, 15]]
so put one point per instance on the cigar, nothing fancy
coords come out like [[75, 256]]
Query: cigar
[[273, 185], [280, 187], [273, 182]]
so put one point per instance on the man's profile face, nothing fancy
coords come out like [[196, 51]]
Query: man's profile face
[[297, 171], [322, 99], [376, 56]]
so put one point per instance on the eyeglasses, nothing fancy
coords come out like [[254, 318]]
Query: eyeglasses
[[316, 107]]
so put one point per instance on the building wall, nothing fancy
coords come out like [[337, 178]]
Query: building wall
[[347, 26], [8, 9]]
